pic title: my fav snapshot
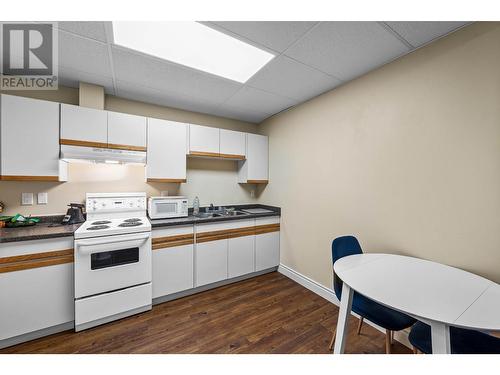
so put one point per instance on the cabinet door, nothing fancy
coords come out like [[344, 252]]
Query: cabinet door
[[166, 151], [241, 256], [126, 131], [267, 250], [172, 270], [83, 126], [232, 144], [32, 299], [211, 262], [29, 136], [255, 169], [203, 139]]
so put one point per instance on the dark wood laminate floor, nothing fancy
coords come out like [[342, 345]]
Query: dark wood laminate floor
[[266, 314]]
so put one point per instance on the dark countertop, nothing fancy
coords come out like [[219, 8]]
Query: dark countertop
[[157, 223], [48, 228], [37, 232]]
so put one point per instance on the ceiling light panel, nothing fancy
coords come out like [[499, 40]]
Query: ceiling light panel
[[195, 45]]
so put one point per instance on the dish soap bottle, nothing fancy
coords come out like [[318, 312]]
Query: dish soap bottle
[[196, 206]]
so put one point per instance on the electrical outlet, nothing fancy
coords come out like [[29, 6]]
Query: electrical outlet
[[42, 198], [252, 193], [27, 199]]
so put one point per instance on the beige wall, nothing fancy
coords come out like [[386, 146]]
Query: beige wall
[[407, 158], [214, 181]]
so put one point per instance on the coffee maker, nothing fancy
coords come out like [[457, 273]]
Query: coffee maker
[[74, 215]]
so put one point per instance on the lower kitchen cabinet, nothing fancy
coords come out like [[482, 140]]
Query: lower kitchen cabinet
[[36, 288], [173, 252], [267, 243], [211, 262], [241, 256]]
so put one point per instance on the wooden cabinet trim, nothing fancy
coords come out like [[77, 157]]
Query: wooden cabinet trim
[[217, 155], [261, 229], [232, 156], [224, 234], [257, 181], [171, 180], [75, 142], [172, 241], [126, 147], [36, 260], [28, 178]]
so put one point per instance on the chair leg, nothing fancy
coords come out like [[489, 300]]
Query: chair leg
[[360, 323], [387, 341], [333, 340], [415, 350]]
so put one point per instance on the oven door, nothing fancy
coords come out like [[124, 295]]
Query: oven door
[[110, 263], [165, 208]]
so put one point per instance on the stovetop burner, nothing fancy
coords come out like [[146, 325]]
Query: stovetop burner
[[101, 222], [133, 220], [130, 224], [98, 227]]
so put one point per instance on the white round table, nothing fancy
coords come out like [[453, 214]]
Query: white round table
[[436, 294]]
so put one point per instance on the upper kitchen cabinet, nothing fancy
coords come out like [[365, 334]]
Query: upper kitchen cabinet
[[255, 169], [81, 126], [203, 141], [232, 144], [29, 140], [126, 132], [166, 152]]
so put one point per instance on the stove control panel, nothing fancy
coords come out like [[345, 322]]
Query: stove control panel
[[115, 203]]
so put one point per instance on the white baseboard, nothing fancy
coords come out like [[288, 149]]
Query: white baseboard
[[329, 295]]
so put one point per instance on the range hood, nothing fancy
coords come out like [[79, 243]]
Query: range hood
[[101, 155]]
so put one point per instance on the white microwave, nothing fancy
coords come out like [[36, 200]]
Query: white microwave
[[167, 207]]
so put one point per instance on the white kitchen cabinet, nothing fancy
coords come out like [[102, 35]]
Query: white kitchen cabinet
[[255, 169], [232, 144], [166, 151], [241, 256], [37, 299], [82, 126], [126, 131], [29, 139], [173, 261], [203, 140], [267, 244], [211, 262]]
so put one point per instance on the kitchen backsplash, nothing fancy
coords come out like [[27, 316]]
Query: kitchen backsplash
[[213, 181]]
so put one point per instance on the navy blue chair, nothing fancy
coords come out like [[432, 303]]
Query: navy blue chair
[[463, 341], [368, 309]]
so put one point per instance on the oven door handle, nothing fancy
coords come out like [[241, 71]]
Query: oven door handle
[[86, 243]]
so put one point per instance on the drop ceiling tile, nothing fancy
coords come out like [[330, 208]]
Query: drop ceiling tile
[[252, 99], [347, 49], [83, 54], [289, 78], [72, 78], [276, 35], [133, 91], [163, 75], [418, 33], [88, 29], [242, 114]]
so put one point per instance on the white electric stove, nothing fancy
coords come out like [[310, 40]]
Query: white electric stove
[[112, 259]]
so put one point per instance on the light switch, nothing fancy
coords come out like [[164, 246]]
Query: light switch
[[43, 198], [27, 199]]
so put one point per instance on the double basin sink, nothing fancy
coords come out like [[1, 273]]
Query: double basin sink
[[223, 213]]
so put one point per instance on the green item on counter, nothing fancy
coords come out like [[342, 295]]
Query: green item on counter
[[18, 218], [5, 218]]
